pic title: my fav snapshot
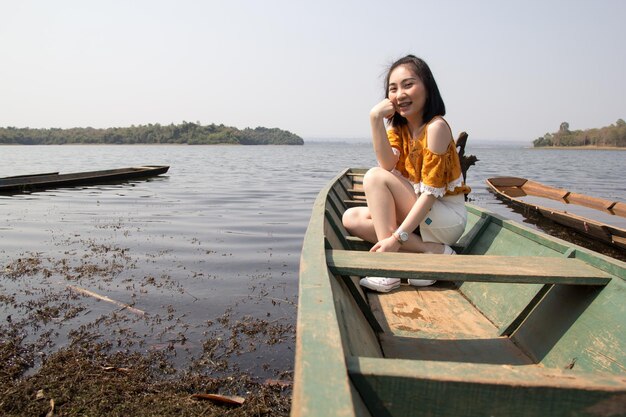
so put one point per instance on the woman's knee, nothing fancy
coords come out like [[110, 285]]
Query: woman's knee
[[350, 218], [375, 177], [355, 219]]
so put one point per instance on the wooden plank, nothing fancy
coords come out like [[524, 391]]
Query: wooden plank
[[534, 302], [485, 268], [513, 192], [339, 231], [506, 181], [336, 202], [345, 183], [619, 240], [358, 296], [438, 388], [355, 203], [356, 243], [523, 239], [429, 312], [356, 190], [503, 302], [578, 327], [319, 335], [471, 236], [583, 225], [589, 201], [509, 329], [439, 323], [540, 190], [358, 335], [341, 193]]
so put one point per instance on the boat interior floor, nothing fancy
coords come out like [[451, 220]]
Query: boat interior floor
[[438, 323]]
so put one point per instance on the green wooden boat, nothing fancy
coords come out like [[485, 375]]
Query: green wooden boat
[[518, 324]]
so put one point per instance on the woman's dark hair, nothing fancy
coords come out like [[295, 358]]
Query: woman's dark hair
[[434, 105]]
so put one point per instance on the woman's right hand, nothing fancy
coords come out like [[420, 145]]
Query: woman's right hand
[[384, 109], [389, 244], [385, 156]]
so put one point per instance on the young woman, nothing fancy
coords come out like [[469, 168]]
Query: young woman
[[415, 197]]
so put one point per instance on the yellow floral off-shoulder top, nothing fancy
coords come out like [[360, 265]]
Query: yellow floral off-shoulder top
[[431, 173]]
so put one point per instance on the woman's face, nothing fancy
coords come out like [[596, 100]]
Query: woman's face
[[407, 93]]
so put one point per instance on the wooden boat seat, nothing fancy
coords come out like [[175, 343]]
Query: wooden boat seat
[[477, 268], [453, 389]]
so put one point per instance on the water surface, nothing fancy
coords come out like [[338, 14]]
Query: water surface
[[211, 249]]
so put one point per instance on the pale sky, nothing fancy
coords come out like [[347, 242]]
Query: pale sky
[[506, 70]]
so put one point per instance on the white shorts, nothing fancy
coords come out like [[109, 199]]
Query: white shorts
[[446, 220]]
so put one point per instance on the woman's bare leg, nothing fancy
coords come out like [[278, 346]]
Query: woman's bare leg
[[389, 199], [358, 221], [416, 244], [383, 191]]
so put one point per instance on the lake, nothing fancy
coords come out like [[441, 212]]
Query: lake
[[209, 252]]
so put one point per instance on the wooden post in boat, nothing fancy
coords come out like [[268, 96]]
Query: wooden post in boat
[[466, 161]]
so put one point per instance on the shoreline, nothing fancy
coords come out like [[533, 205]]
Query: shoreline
[[586, 147]]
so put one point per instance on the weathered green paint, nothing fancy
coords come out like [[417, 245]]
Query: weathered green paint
[[358, 337], [321, 386], [503, 302], [337, 230], [440, 389], [576, 321], [581, 327], [357, 294], [358, 244], [474, 228], [513, 269], [534, 302]]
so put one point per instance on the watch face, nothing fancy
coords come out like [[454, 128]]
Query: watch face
[[404, 236]]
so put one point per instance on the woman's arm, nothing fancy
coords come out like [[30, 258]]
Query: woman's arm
[[439, 137], [384, 154], [418, 212]]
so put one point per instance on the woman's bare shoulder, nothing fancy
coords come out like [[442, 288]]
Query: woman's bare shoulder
[[439, 136]]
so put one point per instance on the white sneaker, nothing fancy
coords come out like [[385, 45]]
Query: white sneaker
[[380, 284], [447, 250]]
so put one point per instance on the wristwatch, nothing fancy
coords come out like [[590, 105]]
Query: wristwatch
[[401, 236]]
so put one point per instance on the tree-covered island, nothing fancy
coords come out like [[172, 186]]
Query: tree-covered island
[[608, 136], [184, 133]]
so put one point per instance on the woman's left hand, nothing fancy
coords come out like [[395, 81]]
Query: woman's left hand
[[389, 244]]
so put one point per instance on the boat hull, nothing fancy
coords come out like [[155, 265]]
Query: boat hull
[[28, 183], [559, 205], [519, 323]]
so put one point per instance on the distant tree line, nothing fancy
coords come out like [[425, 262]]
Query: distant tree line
[[185, 133], [613, 135]]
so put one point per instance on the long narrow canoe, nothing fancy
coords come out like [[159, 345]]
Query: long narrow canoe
[[601, 219], [27, 183], [519, 323]]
